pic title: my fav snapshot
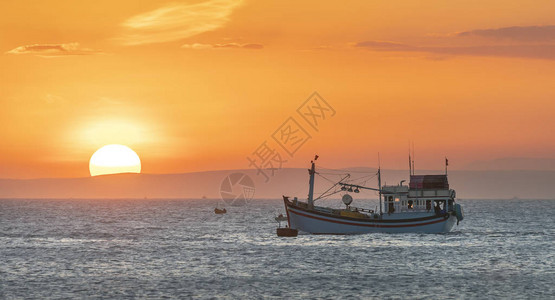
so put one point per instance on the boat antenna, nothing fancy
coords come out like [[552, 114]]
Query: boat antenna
[[413, 158], [410, 162], [380, 182], [446, 164]]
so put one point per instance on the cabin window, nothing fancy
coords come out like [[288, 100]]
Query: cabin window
[[396, 199], [428, 204]]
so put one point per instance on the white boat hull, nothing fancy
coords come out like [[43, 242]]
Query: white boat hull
[[315, 222]]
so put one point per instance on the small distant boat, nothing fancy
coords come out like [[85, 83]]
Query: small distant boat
[[220, 211], [426, 205]]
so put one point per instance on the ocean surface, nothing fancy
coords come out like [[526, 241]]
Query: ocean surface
[[142, 248]]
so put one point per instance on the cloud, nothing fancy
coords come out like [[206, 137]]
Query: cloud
[[536, 42], [516, 33], [177, 21], [383, 45], [52, 50], [53, 99], [197, 46], [252, 46]]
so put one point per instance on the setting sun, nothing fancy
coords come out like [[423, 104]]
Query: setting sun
[[113, 159]]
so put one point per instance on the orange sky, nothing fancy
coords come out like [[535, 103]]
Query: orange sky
[[199, 85]]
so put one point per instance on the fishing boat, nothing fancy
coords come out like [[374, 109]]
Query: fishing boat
[[426, 205]]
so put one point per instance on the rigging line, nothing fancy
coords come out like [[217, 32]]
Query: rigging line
[[328, 189], [333, 171], [345, 170], [362, 177], [332, 181], [359, 179], [370, 176], [324, 193], [333, 186], [333, 174], [345, 176], [320, 167], [352, 171], [368, 179], [325, 196], [364, 183]]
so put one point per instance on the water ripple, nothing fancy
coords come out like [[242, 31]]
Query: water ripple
[[108, 249]]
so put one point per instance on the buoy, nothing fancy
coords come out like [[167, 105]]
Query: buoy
[[287, 232]]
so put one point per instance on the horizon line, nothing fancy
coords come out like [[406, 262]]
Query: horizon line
[[287, 168]]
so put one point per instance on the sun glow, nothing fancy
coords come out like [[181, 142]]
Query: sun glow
[[113, 159]]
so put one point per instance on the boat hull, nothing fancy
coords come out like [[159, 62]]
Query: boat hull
[[316, 222]]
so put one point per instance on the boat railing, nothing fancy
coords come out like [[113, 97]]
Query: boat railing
[[416, 209], [334, 211], [358, 209], [420, 193]]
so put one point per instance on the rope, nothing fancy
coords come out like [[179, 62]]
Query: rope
[[344, 170], [333, 186], [332, 181], [325, 196]]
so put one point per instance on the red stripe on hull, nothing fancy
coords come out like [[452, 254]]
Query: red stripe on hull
[[367, 225]]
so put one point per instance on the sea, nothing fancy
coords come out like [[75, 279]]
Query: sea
[[180, 249]]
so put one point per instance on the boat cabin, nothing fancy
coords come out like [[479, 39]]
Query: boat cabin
[[425, 193]]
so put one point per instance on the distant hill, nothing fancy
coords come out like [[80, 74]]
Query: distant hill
[[513, 163], [291, 181]]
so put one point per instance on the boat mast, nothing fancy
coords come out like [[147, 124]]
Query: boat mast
[[413, 158], [380, 182], [312, 171], [380, 188], [410, 163]]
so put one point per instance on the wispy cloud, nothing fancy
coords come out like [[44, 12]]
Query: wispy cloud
[[197, 46], [384, 45], [177, 21], [52, 50], [537, 42], [516, 33], [53, 99]]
